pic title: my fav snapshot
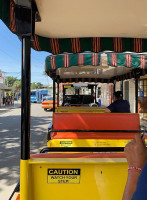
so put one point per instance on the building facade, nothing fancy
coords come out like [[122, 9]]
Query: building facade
[[3, 88], [107, 91]]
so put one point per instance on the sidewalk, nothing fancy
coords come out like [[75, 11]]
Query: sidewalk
[[143, 123], [17, 104]]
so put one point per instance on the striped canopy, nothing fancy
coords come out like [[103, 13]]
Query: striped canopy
[[69, 60], [127, 60], [94, 59], [88, 26], [95, 67]]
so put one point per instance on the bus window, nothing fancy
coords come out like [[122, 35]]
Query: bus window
[[33, 93]]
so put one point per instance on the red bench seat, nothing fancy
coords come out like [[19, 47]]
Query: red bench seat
[[94, 121]]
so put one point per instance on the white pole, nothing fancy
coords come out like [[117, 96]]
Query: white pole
[[0, 97]]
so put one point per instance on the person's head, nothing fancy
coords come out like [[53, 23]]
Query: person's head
[[118, 95]]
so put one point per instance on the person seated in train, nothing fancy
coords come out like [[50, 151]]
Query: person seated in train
[[119, 105], [136, 154]]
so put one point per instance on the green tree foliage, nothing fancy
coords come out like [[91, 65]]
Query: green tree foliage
[[33, 85], [10, 80], [17, 85], [13, 81], [10, 93], [37, 85]]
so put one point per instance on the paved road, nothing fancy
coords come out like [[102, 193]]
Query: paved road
[[10, 123]]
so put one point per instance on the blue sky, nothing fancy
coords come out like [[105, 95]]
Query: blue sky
[[10, 57]]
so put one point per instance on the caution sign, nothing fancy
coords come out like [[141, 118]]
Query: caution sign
[[66, 143], [63, 176], [67, 86]]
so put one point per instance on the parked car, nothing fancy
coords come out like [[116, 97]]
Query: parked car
[[48, 104]]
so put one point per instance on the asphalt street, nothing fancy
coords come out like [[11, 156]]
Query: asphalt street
[[10, 134]]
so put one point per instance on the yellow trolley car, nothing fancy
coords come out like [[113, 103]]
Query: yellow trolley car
[[84, 172]]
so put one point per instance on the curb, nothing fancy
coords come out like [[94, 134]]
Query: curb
[[16, 107], [11, 108], [3, 110]]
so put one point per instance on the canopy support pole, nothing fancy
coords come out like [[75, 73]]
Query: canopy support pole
[[121, 86], [95, 95], [114, 84], [25, 98], [54, 88], [63, 94], [58, 93], [136, 94]]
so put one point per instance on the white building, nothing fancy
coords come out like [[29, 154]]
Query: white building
[[3, 88]]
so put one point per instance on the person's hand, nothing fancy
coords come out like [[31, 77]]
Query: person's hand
[[136, 153]]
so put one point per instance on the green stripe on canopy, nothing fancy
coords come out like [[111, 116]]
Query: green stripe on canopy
[[69, 60], [127, 60]]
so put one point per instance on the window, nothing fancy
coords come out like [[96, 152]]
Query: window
[[49, 98], [142, 88], [33, 93], [99, 92]]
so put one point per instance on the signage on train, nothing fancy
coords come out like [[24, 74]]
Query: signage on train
[[63, 176], [66, 143], [67, 86]]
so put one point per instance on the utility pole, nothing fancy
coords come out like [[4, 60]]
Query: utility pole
[[4, 78]]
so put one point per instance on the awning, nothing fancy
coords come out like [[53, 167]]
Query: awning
[[127, 60], [69, 60], [95, 67], [95, 59], [4, 87], [78, 26]]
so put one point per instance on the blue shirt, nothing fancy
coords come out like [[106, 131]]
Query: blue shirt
[[119, 106], [141, 190]]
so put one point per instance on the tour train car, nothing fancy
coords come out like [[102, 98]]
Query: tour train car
[[80, 172], [79, 94], [68, 121]]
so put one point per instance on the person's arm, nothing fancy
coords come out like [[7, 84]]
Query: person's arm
[[141, 191], [136, 156], [130, 188], [107, 110], [110, 108]]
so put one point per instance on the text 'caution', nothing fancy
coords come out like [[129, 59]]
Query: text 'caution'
[[63, 176]]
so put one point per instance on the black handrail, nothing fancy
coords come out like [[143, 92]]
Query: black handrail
[[82, 149]]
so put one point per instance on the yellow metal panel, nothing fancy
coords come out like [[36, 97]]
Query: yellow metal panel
[[87, 143], [25, 180], [97, 180], [79, 107], [80, 111]]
